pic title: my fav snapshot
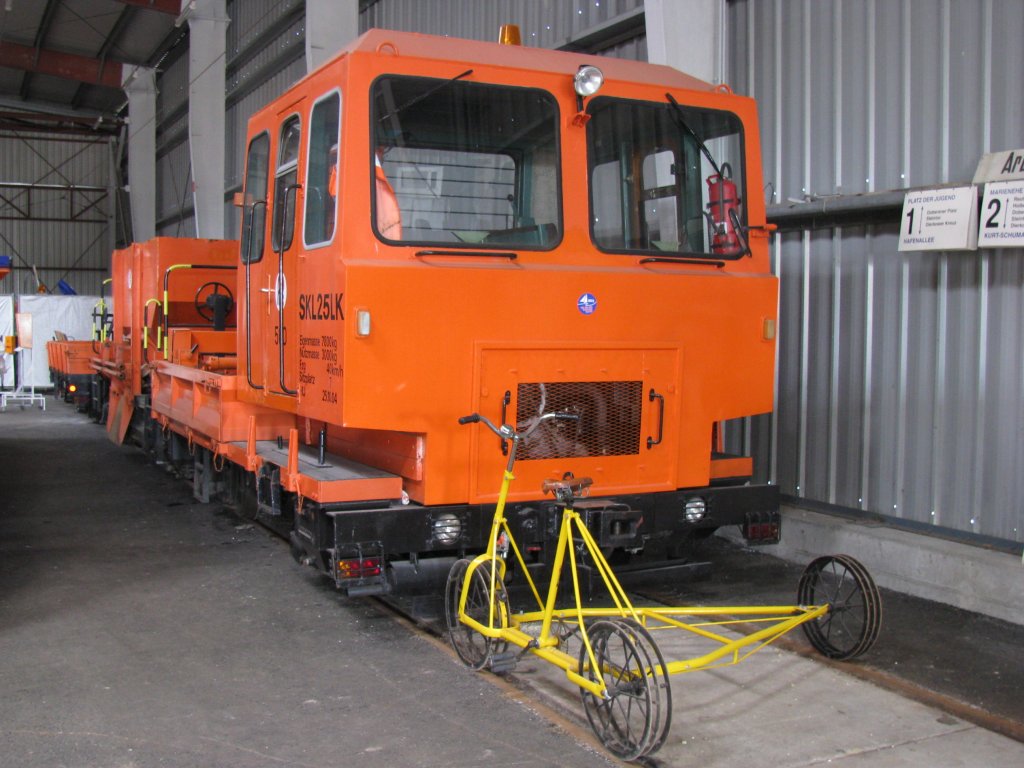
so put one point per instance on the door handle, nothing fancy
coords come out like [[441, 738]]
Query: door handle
[[652, 396]]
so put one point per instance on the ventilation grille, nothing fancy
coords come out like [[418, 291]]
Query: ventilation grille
[[609, 419]]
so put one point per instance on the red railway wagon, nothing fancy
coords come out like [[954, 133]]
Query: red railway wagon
[[430, 230]]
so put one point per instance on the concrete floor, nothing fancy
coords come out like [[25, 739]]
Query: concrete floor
[[138, 628]]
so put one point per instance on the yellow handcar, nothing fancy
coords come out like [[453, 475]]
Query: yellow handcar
[[620, 669]]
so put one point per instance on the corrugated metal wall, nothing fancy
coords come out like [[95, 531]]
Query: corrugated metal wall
[[900, 375], [73, 242], [543, 23]]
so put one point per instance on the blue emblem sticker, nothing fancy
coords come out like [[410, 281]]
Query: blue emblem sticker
[[587, 303]]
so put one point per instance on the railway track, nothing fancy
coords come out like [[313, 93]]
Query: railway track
[[424, 615]]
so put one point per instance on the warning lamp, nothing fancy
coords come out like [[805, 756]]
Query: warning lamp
[[509, 35], [72, 388]]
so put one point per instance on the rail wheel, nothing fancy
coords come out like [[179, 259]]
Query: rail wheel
[[855, 607], [626, 720], [657, 671], [472, 647]]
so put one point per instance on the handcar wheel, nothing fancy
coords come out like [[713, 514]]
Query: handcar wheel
[[472, 647], [854, 617], [626, 720], [657, 671]]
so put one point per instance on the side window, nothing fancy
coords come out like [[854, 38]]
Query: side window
[[285, 182], [322, 171], [254, 196]]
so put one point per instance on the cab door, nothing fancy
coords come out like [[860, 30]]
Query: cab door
[[252, 305], [280, 346]]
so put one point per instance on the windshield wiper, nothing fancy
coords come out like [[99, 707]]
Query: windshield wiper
[[417, 99], [677, 112]]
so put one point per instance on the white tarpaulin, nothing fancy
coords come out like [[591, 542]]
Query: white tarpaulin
[[6, 329], [69, 314]]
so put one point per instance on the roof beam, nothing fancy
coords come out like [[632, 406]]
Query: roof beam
[[42, 122], [44, 29], [172, 7], [69, 66], [123, 20], [116, 31]]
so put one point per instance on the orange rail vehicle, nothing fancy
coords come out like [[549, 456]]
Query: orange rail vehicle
[[69, 369], [430, 230], [159, 287]]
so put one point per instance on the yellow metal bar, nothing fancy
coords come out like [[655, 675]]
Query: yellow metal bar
[[556, 575], [584, 635], [763, 636], [732, 610], [167, 274], [522, 565], [559, 658], [491, 554], [164, 307], [103, 311], [145, 326], [605, 570]]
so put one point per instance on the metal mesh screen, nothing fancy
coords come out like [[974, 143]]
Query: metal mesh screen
[[609, 423]]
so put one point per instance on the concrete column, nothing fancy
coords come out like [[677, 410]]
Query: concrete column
[[330, 26], [688, 35], [207, 24], [141, 89]]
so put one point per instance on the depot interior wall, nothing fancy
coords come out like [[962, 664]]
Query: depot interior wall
[[62, 226]]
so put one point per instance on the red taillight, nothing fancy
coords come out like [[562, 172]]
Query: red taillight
[[359, 568], [763, 528]]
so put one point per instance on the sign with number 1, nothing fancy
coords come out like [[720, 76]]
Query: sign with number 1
[[940, 219]]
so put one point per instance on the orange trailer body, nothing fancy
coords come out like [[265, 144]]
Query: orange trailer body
[[155, 285], [431, 230], [70, 368]]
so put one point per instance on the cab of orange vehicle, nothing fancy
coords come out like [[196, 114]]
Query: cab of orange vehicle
[[431, 229]]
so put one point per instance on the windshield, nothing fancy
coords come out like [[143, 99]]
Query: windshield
[[653, 187], [463, 163]]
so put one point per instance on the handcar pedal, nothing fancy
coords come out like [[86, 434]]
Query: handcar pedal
[[502, 663]]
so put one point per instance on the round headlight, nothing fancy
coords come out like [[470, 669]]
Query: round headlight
[[588, 80], [447, 529], [694, 510]]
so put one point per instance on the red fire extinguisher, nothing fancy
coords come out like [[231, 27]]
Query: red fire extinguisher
[[723, 208]]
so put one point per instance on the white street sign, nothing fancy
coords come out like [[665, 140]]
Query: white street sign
[[940, 220], [1002, 215]]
